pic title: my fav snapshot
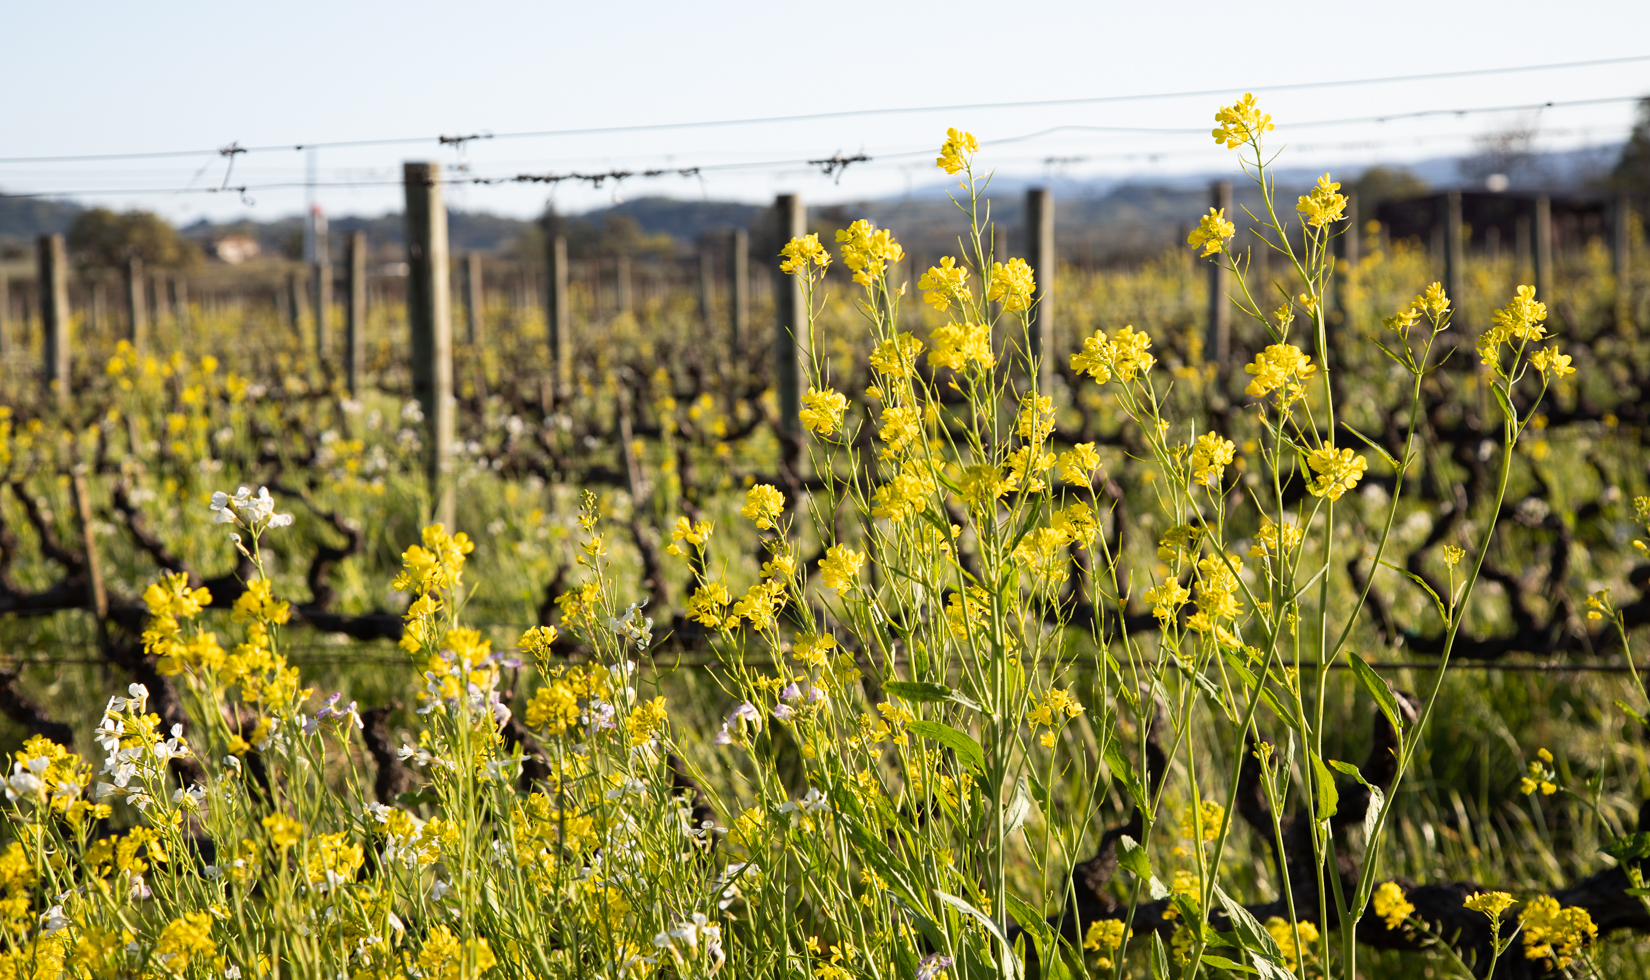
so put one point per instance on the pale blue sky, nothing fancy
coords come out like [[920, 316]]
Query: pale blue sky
[[120, 77]]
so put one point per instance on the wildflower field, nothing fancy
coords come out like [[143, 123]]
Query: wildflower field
[[1173, 669]]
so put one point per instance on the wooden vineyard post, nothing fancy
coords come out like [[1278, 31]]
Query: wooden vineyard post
[[1541, 248], [294, 303], [322, 271], [1621, 247], [137, 311], [355, 317], [707, 286], [54, 317], [473, 298], [621, 283], [739, 285], [1217, 344], [791, 338], [1454, 253], [1041, 257], [556, 313], [429, 311]]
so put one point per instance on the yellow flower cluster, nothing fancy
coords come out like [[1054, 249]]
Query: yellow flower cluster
[[867, 251], [1012, 284], [955, 151], [1552, 932], [1212, 233], [1052, 712], [438, 564], [839, 569], [1122, 354], [1392, 905], [901, 430], [801, 256], [695, 533], [1210, 455], [822, 410], [1273, 539], [896, 356], [1077, 465], [1325, 204], [1278, 929], [1338, 471], [1166, 600], [1035, 421], [1282, 368], [1491, 904], [1240, 123], [944, 284], [957, 345], [906, 495], [763, 505], [1539, 775], [1103, 936]]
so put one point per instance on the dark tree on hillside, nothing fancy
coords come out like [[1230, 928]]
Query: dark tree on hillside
[[100, 238], [1632, 173]]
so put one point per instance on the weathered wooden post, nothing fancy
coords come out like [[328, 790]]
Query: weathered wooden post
[[1454, 252], [322, 299], [295, 303], [1542, 247], [54, 316], [473, 298], [1621, 247], [1218, 339], [137, 311], [429, 311], [557, 310], [707, 285], [621, 283], [355, 319], [1352, 239], [1040, 255], [791, 337], [180, 299], [5, 306], [739, 287]]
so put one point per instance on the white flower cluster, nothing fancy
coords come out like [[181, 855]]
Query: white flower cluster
[[146, 759], [685, 937], [256, 512]]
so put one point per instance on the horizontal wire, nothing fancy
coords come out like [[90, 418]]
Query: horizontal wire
[[830, 165], [235, 148]]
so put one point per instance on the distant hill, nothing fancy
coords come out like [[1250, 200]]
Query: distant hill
[[1098, 219], [22, 219]]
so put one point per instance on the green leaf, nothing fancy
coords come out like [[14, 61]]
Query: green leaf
[[1254, 938], [1019, 807], [962, 905], [1121, 768], [1250, 681], [968, 751], [1328, 797], [1632, 714], [1506, 406], [1132, 857], [1378, 689], [1633, 846], [919, 691], [1443, 614], [422, 796], [1377, 797], [1160, 959], [1222, 963], [1371, 444]]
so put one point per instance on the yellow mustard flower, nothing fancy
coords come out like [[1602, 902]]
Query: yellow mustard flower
[[1338, 471], [839, 569], [1391, 904], [822, 410], [1240, 123], [954, 152], [801, 255], [1324, 205], [1013, 284], [1212, 233], [763, 504]]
